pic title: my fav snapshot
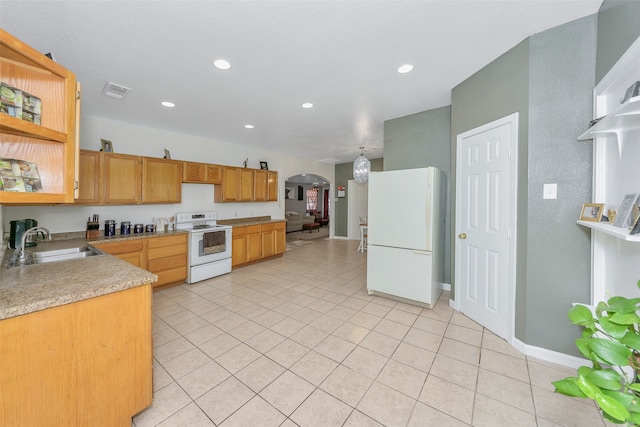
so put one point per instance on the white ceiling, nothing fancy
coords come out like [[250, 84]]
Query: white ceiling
[[340, 55]]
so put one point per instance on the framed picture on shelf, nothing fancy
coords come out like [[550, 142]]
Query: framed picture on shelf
[[167, 154], [624, 217], [592, 212], [263, 165], [107, 146]]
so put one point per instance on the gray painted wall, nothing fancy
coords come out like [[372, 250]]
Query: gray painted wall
[[343, 173], [418, 141], [498, 90], [561, 81], [618, 28], [549, 80]]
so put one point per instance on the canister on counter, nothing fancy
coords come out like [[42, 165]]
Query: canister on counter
[[150, 228], [125, 228], [138, 228], [109, 228]]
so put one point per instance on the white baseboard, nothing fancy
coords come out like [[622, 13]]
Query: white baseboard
[[454, 304], [550, 355], [446, 286], [340, 238]]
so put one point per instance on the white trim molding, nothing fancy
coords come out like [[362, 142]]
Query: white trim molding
[[550, 355]]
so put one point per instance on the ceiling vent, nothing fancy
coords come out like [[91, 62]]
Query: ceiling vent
[[115, 90]]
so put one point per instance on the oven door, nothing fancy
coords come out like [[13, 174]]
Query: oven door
[[209, 245]]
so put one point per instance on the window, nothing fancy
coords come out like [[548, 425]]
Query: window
[[312, 200]]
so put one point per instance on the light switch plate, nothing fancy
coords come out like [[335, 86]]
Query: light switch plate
[[550, 191]]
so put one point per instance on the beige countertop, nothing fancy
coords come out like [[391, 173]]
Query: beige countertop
[[32, 288], [133, 236]]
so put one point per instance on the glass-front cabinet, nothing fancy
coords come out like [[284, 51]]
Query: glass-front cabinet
[[38, 126]]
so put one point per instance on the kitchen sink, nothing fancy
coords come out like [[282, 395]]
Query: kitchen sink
[[47, 252]]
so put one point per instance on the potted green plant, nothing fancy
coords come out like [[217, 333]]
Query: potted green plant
[[611, 341]]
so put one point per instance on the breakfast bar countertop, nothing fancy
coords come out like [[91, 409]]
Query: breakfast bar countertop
[[27, 289]]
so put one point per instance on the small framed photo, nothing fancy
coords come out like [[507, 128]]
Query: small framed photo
[[107, 146], [167, 154], [625, 212], [592, 212], [263, 165]]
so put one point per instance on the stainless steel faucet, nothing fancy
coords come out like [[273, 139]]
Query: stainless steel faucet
[[33, 230]]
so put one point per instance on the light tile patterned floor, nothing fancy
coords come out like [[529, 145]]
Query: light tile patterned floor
[[298, 341]]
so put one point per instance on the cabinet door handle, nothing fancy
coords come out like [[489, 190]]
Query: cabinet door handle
[[462, 236]]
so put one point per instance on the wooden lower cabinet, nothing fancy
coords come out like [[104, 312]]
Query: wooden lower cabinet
[[80, 364], [164, 256], [280, 237], [167, 258], [268, 242], [253, 243], [238, 246], [133, 251]]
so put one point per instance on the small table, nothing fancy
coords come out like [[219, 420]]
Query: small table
[[311, 226]]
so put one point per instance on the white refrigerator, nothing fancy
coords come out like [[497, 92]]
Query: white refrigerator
[[405, 227]]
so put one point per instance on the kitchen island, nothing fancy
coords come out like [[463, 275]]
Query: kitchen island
[[75, 343]]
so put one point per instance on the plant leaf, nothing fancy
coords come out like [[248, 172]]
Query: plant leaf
[[612, 407], [621, 305], [606, 379], [634, 419], [610, 419], [583, 345], [625, 318], [631, 339], [610, 351], [614, 329], [569, 387], [634, 386], [580, 315], [590, 390]]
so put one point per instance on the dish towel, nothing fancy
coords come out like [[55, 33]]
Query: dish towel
[[213, 242]]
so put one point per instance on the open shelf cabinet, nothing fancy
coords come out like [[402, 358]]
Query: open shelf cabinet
[[52, 145]]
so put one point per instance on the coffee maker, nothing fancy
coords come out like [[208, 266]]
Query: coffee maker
[[17, 230]]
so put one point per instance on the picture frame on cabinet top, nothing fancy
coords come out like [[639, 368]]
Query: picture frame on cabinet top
[[592, 212], [263, 165], [107, 146], [167, 154]]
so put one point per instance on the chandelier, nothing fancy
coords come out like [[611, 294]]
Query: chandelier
[[361, 168]]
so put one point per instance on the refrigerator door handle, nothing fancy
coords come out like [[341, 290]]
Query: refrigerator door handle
[[419, 252]]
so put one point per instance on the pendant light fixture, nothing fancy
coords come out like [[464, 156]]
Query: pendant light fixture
[[361, 167]]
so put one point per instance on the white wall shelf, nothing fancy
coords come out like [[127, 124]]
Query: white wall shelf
[[624, 119], [617, 232]]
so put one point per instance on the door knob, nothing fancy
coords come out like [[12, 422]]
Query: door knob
[[462, 236]]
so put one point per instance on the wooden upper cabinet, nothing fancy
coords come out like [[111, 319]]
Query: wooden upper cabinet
[[246, 184], [229, 190], [90, 178], [272, 186], [193, 172], [52, 145], [213, 174], [122, 174], [261, 189], [161, 180]]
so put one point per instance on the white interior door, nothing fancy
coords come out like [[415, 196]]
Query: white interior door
[[356, 207], [485, 224]]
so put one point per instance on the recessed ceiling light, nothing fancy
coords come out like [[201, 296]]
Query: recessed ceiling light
[[405, 68], [307, 105], [249, 126], [222, 64], [168, 104]]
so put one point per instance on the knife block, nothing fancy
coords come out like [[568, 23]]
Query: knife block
[[93, 231]]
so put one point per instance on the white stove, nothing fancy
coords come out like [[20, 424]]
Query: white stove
[[209, 245]]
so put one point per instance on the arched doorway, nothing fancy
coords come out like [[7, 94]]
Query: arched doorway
[[307, 195]]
